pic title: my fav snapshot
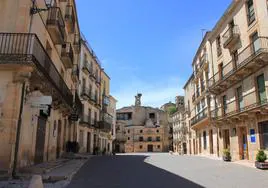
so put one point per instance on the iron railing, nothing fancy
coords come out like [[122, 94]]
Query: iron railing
[[67, 51], [21, 48], [248, 102], [69, 15], [85, 92], [230, 33], [55, 18], [199, 117], [85, 119], [243, 58]]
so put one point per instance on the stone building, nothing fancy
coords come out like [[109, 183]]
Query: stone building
[[232, 63], [141, 129], [95, 124], [42, 84], [39, 49], [179, 127]]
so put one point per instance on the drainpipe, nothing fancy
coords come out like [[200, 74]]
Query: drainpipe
[[17, 142], [18, 132]]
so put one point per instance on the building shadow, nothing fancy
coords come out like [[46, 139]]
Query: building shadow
[[126, 172]]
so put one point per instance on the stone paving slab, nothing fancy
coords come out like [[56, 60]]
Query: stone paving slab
[[211, 173]]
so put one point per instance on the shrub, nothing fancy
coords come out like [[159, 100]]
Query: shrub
[[261, 156], [226, 152]]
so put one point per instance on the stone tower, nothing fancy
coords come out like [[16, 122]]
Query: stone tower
[[138, 99]]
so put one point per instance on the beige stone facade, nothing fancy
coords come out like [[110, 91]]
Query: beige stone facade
[[234, 74], [40, 83], [141, 129]]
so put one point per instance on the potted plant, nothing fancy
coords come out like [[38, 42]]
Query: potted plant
[[226, 155], [260, 160]]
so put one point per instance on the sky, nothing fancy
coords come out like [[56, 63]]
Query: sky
[[147, 46]]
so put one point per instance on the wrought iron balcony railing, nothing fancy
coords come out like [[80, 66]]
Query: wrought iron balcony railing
[[248, 102], [67, 55], [248, 60], [231, 36], [70, 17], [26, 49], [56, 26], [199, 117]]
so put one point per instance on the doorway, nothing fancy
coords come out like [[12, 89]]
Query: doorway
[[194, 148], [88, 142], [226, 139], [58, 140], [243, 143], [40, 140], [211, 141], [150, 148]]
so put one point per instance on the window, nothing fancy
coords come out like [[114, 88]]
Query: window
[[224, 104], [157, 131], [128, 131], [263, 130], [205, 139], [220, 67], [152, 115], [239, 94], [261, 89], [235, 58], [141, 131], [256, 43], [158, 146], [218, 44], [149, 139], [140, 146], [158, 138], [128, 138], [250, 12], [140, 138]]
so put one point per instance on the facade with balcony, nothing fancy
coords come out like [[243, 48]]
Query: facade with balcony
[[36, 59], [239, 79], [228, 97], [141, 129]]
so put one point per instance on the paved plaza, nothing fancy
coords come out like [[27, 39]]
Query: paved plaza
[[165, 170]]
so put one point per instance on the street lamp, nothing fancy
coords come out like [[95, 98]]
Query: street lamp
[[35, 10]]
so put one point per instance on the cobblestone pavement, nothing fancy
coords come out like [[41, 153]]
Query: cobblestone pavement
[[165, 170]]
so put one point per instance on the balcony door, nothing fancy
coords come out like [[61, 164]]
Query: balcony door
[[240, 99], [261, 89], [224, 104], [256, 42]]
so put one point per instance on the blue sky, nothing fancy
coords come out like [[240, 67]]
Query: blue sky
[[147, 46]]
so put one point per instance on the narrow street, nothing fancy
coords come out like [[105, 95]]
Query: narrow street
[[164, 170]]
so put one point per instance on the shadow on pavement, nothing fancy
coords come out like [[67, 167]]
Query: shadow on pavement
[[125, 172]]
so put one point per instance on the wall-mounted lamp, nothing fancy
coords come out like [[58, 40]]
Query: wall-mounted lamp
[[35, 10]]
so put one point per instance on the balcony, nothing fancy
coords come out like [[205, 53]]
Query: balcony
[[70, 18], [85, 120], [67, 55], [85, 93], [92, 75], [98, 80], [106, 123], [248, 61], [93, 98], [86, 68], [78, 104], [25, 50], [75, 73], [199, 118], [55, 25], [204, 61], [231, 37], [235, 110], [77, 43]]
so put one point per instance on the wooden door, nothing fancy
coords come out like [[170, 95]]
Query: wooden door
[[40, 140]]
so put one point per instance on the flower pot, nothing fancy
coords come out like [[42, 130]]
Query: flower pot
[[227, 158], [261, 165]]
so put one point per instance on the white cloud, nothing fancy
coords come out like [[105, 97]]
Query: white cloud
[[153, 94]]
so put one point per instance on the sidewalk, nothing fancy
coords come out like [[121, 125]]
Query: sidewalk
[[55, 174]]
